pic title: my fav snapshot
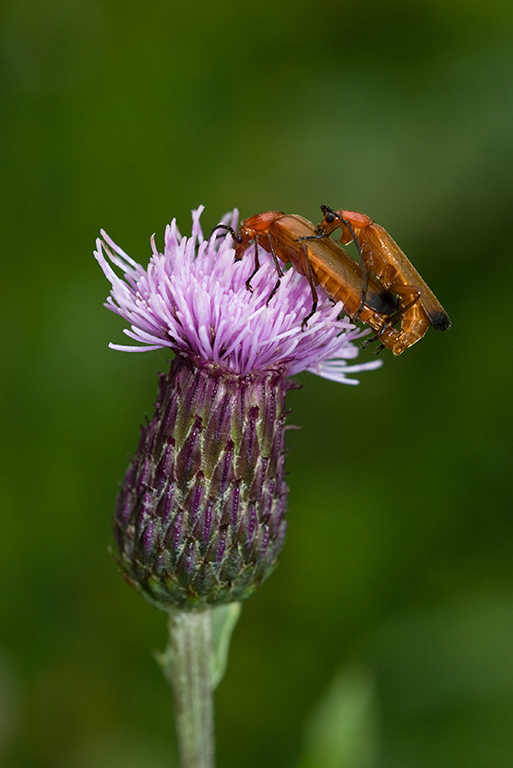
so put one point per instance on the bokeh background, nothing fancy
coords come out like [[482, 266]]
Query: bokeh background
[[384, 638]]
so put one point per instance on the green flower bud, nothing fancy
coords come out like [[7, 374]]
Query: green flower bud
[[201, 515]]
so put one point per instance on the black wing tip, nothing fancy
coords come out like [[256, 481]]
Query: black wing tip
[[440, 321]]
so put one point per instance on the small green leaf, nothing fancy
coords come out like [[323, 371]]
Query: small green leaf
[[343, 730]]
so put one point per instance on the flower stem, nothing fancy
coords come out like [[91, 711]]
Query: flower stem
[[193, 664]]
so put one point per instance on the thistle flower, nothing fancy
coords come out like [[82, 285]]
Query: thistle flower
[[200, 517]]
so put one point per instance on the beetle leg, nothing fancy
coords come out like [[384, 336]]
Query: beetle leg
[[311, 281], [376, 336], [386, 324], [405, 290], [277, 285], [255, 270], [279, 270], [307, 318]]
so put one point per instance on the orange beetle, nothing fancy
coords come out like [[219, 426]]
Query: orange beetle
[[418, 306]]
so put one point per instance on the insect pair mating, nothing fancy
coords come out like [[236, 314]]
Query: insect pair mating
[[383, 291]]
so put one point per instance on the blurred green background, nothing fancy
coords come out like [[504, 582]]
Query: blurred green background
[[384, 638]]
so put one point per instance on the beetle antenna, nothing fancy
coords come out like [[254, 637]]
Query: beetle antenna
[[223, 226]]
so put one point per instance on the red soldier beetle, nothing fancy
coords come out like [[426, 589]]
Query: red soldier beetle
[[418, 306], [292, 239]]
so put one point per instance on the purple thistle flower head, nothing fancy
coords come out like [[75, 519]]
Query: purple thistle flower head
[[201, 514]]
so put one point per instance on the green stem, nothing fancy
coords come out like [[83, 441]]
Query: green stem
[[190, 640], [193, 663]]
